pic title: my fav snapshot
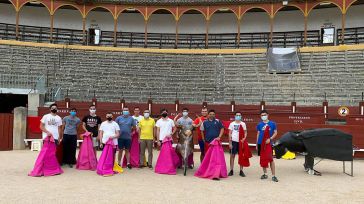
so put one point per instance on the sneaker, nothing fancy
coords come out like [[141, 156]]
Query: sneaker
[[264, 176], [129, 166], [231, 173], [191, 166], [216, 179], [141, 166], [274, 179], [70, 165], [242, 173], [150, 166]]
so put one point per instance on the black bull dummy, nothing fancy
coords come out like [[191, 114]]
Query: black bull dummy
[[326, 143]]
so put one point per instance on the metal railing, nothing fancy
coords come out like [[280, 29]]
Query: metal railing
[[168, 40], [161, 40]]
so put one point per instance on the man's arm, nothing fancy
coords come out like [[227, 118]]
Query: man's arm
[[175, 120], [272, 138], [60, 132], [42, 127], [246, 135], [84, 126], [157, 134], [221, 133], [258, 133], [101, 134], [61, 129], [230, 139], [117, 134], [199, 122]]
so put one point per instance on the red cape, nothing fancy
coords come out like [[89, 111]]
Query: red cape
[[244, 151], [265, 150]]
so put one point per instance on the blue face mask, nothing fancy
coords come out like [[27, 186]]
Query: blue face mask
[[72, 113], [237, 117], [125, 112]]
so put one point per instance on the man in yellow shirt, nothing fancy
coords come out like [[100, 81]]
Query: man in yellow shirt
[[146, 132]]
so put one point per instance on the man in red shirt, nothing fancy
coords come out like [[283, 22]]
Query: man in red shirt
[[198, 122]]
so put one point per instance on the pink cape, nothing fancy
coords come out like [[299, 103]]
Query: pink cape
[[134, 151], [107, 158], [46, 163], [213, 164], [87, 156], [168, 159]]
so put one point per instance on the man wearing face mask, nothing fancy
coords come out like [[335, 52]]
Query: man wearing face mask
[[165, 127], [260, 135], [146, 132], [51, 124], [234, 129], [198, 122], [91, 123], [126, 124], [70, 125], [109, 129]]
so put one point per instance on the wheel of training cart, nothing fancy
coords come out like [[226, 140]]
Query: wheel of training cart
[[185, 169]]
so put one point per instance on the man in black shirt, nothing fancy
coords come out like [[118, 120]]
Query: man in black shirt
[[91, 123]]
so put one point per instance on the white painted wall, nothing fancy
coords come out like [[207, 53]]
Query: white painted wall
[[189, 23]]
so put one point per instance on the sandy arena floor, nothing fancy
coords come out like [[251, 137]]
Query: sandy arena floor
[[145, 186]]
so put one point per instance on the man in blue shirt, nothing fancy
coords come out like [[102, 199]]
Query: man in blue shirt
[[260, 135], [126, 124], [211, 129]]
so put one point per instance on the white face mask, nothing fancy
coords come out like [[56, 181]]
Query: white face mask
[[264, 117], [146, 115], [92, 111], [185, 114]]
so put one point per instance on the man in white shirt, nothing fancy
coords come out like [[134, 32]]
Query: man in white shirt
[[234, 128], [165, 127], [51, 124], [109, 129]]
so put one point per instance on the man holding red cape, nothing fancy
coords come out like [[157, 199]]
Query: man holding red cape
[[266, 132], [238, 144]]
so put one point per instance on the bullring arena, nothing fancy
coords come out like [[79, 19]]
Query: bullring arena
[[298, 62]]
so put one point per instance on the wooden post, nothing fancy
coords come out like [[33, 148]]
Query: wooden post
[[238, 36], [17, 26], [115, 31], [176, 40], [305, 31], [51, 30], [343, 17], [207, 33], [84, 30], [271, 31], [146, 33]]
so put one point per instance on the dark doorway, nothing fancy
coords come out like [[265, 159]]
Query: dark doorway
[[10, 101]]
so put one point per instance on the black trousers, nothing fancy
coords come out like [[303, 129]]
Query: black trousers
[[69, 149]]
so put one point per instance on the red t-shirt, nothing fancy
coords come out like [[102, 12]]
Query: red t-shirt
[[196, 122]]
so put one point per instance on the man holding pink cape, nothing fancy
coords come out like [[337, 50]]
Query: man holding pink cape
[[109, 134], [213, 165], [46, 163]]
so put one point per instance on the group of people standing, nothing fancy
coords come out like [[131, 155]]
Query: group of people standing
[[134, 134]]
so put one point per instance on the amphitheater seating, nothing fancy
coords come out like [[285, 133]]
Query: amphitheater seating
[[219, 78]]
